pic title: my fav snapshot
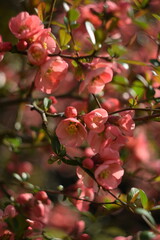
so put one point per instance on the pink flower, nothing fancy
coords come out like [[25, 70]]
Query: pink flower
[[47, 40], [114, 136], [109, 174], [126, 123], [95, 119], [99, 73], [71, 132], [24, 26], [50, 75], [37, 54]]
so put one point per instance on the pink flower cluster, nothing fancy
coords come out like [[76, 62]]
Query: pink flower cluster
[[39, 44], [105, 135], [35, 209]]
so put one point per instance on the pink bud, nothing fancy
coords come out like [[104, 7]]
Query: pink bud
[[24, 198], [22, 45], [53, 99], [84, 236], [42, 196], [52, 109], [70, 112], [10, 211], [88, 163]]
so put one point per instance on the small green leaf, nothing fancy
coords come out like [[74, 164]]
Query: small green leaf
[[17, 177], [155, 62], [47, 103], [73, 15], [132, 195], [132, 62], [41, 10], [145, 213], [144, 199], [146, 235], [133, 102], [58, 24], [150, 92], [156, 16], [116, 50], [138, 89], [120, 80], [55, 144], [64, 37], [90, 29]]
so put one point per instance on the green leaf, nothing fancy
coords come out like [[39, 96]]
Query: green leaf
[[17, 177], [137, 89], [58, 24], [90, 29], [146, 235], [47, 103], [120, 80], [116, 50], [144, 199], [73, 15], [155, 62], [133, 195], [145, 213], [41, 10], [132, 62], [14, 143], [150, 92], [64, 37], [56, 146], [156, 16]]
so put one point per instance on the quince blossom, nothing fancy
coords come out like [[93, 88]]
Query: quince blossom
[[95, 119], [50, 74], [109, 174], [99, 73], [71, 132], [24, 26]]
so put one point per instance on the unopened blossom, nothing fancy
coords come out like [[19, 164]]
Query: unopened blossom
[[50, 74], [71, 132], [24, 26], [37, 54], [70, 112], [98, 74], [95, 119], [109, 174]]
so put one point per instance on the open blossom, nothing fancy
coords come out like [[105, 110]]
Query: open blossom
[[109, 174], [126, 123], [95, 119], [47, 41], [71, 132], [37, 54], [24, 26], [50, 74], [99, 73]]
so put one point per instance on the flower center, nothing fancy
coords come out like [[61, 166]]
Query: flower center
[[104, 174], [72, 128]]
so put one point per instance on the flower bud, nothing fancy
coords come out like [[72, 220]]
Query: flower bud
[[71, 112], [88, 163]]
